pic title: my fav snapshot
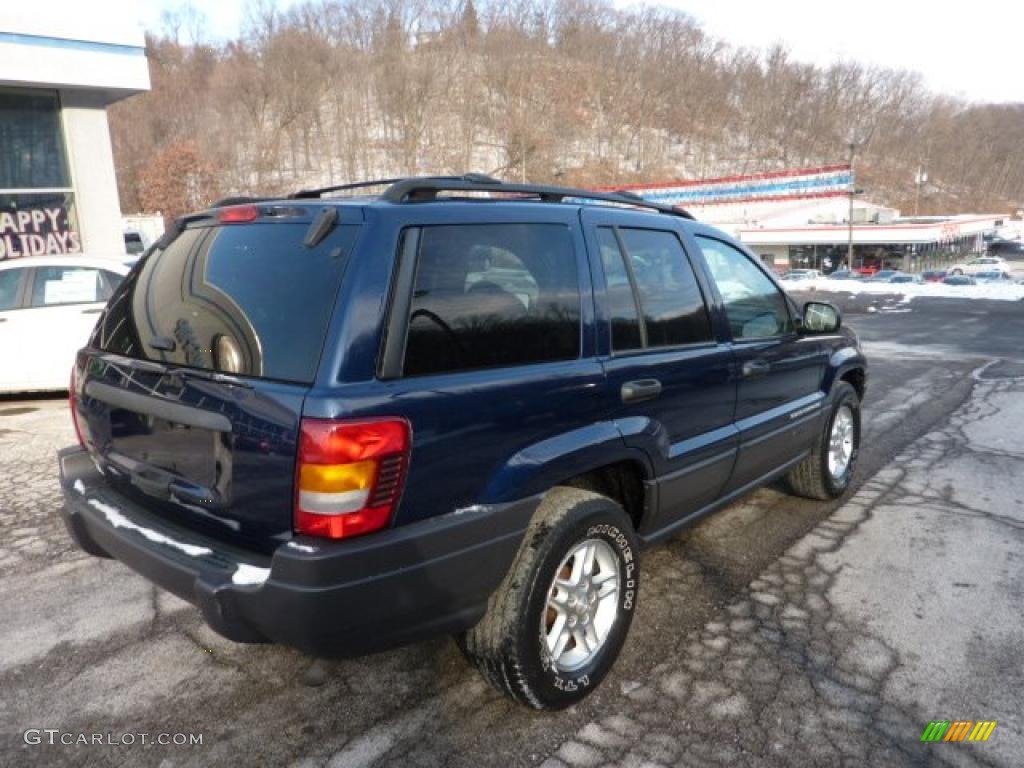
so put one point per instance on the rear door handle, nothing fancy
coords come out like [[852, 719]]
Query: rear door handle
[[755, 368], [92, 311], [642, 389]]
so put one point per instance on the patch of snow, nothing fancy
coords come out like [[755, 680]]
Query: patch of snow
[[911, 291], [79, 486], [118, 520], [470, 509], [301, 547], [249, 574]]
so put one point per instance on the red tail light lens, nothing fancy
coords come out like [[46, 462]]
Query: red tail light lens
[[349, 476], [73, 403], [238, 214]]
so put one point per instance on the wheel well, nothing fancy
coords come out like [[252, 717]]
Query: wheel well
[[623, 482], [856, 379]]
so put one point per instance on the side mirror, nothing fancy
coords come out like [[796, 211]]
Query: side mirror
[[820, 317]]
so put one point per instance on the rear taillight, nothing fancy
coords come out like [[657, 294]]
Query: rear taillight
[[73, 403], [349, 475]]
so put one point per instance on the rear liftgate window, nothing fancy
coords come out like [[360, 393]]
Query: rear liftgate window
[[246, 299], [493, 295]]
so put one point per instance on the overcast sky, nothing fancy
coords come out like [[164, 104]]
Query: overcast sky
[[973, 49]]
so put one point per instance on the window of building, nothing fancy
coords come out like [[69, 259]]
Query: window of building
[[754, 306], [494, 295], [654, 276], [37, 211]]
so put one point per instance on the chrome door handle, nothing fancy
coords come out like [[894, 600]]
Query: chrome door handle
[[755, 368], [640, 390]]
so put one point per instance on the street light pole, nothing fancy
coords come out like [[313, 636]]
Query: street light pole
[[849, 218]]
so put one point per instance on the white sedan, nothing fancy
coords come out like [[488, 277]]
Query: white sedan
[[983, 264], [48, 307]]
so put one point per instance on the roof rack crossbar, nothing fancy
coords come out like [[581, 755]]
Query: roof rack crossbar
[[425, 188]]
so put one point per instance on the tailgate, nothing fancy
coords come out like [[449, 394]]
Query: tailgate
[[215, 455], [190, 392]]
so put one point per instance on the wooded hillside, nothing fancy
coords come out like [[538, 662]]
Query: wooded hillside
[[572, 91]]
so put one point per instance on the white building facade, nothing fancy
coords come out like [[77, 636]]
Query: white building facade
[[809, 217], [60, 67]]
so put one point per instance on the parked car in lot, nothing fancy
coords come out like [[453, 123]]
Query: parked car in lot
[[959, 280], [882, 276], [983, 264], [933, 275], [844, 274], [995, 276], [48, 307], [903, 277], [545, 387], [801, 274]]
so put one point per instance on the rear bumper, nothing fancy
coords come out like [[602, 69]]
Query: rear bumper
[[324, 598]]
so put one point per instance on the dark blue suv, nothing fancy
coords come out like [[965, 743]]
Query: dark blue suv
[[460, 406]]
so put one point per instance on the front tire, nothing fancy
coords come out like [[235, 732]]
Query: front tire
[[558, 621], [827, 472]]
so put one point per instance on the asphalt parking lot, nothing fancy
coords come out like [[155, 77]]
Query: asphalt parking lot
[[777, 632]]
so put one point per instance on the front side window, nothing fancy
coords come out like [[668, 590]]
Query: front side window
[[493, 295], [754, 306], [655, 275], [10, 282]]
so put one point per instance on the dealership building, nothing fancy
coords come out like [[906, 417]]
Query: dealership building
[[801, 218], [58, 73]]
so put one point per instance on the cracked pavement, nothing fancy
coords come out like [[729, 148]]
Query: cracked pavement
[[777, 632]]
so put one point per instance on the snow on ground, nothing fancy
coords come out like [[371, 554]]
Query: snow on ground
[[911, 291]]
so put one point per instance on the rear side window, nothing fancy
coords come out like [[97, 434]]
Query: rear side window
[[53, 286], [660, 281], [622, 309], [247, 299], [493, 295]]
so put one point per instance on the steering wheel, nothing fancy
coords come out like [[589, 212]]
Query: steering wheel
[[440, 323]]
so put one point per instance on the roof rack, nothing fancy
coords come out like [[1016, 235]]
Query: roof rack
[[425, 188], [240, 200], [304, 194]]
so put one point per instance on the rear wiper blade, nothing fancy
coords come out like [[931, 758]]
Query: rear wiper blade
[[202, 373], [321, 227]]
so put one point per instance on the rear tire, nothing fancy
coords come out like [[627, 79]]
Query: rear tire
[[577, 565], [957, 272], [827, 472]]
